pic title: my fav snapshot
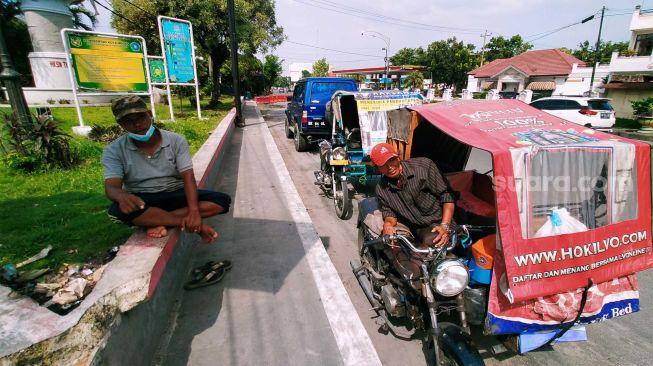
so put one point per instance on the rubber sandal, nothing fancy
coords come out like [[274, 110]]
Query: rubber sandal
[[207, 274]]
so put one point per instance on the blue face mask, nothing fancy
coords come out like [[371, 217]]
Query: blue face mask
[[142, 138]]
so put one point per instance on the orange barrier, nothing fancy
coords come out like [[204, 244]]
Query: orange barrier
[[279, 98]]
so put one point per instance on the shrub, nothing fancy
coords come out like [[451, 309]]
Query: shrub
[[642, 107], [105, 133], [38, 144], [64, 101], [51, 101]]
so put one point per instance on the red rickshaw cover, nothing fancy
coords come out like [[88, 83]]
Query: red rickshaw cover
[[557, 240]]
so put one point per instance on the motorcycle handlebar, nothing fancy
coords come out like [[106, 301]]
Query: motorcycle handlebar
[[388, 239]]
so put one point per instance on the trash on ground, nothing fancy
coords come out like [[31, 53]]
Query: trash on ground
[[40, 255]]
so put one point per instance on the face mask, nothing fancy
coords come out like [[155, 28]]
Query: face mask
[[142, 138]]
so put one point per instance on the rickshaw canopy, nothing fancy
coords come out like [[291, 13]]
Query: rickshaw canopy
[[573, 204]]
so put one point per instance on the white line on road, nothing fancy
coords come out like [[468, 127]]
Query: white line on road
[[355, 345]]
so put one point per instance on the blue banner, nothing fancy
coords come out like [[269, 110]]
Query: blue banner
[[178, 51]]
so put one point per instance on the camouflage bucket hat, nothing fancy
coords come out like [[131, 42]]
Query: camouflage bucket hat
[[128, 104]]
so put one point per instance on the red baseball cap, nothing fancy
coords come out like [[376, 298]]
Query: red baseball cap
[[381, 153]]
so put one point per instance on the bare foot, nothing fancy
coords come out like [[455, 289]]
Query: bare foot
[[157, 232], [207, 233]]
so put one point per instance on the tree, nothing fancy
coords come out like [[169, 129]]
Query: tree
[[587, 52], [271, 70], [255, 21], [409, 56], [449, 61], [17, 39], [321, 67], [500, 47], [414, 80], [282, 82], [306, 74], [79, 13]]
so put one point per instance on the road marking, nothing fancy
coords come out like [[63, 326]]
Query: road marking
[[355, 345]]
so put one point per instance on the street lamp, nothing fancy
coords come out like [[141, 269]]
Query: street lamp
[[385, 39]]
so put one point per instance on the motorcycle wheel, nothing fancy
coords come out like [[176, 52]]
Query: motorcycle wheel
[[341, 199], [457, 348]]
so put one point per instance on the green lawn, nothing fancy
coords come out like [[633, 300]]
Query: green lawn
[[67, 208]]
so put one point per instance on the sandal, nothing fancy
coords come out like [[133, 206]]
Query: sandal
[[207, 274]]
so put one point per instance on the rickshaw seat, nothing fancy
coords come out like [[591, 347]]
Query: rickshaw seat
[[354, 140], [475, 192]]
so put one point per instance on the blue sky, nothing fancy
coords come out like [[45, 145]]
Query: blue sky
[[337, 25]]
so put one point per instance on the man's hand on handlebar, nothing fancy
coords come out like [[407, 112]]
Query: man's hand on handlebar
[[389, 229], [443, 235]]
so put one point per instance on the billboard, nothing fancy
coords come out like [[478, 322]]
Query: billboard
[[157, 70], [108, 64], [178, 50]]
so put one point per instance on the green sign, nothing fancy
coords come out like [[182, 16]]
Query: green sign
[[111, 64], [157, 72]]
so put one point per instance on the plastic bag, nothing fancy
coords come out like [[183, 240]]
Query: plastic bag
[[560, 222]]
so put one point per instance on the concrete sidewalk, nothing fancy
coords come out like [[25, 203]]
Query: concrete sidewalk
[[282, 303]]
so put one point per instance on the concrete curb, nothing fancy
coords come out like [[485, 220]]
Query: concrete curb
[[120, 321]]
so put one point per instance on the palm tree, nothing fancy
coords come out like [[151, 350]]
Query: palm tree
[[79, 13], [414, 80]]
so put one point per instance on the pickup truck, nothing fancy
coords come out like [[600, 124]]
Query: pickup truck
[[307, 106]]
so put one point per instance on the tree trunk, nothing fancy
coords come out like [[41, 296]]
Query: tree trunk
[[219, 55]]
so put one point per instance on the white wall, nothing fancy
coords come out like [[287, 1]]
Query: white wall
[[472, 84]]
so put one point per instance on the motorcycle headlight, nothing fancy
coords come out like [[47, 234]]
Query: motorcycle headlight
[[450, 278], [339, 153]]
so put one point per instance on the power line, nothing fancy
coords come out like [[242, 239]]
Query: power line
[[331, 49], [540, 35], [359, 13], [117, 14], [139, 8]]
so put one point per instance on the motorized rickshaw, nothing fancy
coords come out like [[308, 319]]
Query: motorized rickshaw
[[571, 208], [358, 122]]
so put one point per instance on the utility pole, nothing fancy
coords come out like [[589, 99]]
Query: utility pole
[[484, 35], [11, 79], [596, 52], [234, 62], [385, 84]]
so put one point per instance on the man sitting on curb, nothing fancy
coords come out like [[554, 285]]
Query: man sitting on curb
[[148, 174]]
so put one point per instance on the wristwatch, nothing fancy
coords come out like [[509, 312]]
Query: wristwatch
[[446, 226]]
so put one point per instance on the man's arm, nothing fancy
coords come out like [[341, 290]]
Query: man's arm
[[193, 220], [128, 202], [389, 217]]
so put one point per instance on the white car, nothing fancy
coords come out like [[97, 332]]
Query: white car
[[589, 112]]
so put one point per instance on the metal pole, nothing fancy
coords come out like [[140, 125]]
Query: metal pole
[[596, 52], [11, 79], [386, 68], [484, 35], [234, 62]]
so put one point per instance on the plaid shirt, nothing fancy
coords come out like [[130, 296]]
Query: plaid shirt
[[416, 197]]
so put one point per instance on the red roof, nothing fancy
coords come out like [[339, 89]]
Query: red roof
[[532, 63]]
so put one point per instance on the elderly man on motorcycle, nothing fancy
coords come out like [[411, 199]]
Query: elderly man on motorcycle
[[415, 200]]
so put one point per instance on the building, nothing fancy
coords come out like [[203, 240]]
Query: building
[[374, 77], [545, 72], [631, 75]]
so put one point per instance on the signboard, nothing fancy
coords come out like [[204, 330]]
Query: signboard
[[157, 70], [108, 64], [178, 50]]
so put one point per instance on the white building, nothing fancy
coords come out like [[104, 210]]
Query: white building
[[545, 72], [631, 77]]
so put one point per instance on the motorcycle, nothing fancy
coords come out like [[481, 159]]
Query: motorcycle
[[443, 290]]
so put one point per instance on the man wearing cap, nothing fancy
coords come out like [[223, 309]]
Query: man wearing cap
[[414, 197], [148, 174]]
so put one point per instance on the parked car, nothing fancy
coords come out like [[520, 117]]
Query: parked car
[[307, 105], [589, 112]]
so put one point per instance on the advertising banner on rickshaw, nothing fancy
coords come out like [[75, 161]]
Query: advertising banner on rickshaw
[[372, 113], [573, 204]]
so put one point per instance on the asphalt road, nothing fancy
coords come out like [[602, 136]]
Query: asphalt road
[[622, 341]]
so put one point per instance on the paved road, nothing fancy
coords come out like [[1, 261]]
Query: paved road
[[624, 341]]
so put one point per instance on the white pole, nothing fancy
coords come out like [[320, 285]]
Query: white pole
[[146, 63], [73, 82], [165, 67], [197, 85]]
